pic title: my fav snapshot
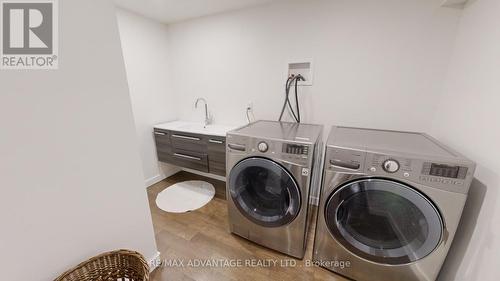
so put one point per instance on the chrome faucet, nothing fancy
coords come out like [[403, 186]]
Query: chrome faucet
[[208, 120]]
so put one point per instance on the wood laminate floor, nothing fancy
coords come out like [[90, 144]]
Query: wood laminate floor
[[203, 235]]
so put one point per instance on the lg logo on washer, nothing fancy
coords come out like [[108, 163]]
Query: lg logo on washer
[[29, 34]]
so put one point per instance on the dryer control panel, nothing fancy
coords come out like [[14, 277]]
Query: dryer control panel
[[441, 175], [445, 171]]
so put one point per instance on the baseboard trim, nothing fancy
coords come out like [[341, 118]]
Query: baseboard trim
[[156, 179], [154, 262], [165, 171]]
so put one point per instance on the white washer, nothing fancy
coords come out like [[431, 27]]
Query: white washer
[[390, 204], [272, 167]]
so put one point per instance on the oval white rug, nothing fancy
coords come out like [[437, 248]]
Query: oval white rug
[[185, 196]]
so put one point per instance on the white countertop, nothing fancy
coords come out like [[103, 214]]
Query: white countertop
[[198, 128]]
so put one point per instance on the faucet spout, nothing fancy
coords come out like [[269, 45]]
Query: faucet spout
[[207, 116]]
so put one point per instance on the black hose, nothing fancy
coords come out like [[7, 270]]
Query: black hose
[[290, 107], [284, 104], [289, 82], [297, 98]]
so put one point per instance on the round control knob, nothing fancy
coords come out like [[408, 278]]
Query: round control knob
[[263, 147], [391, 166]]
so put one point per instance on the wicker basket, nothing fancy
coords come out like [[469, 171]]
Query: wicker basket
[[111, 266]]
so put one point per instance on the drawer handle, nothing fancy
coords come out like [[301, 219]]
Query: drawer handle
[[236, 146], [186, 137], [187, 156], [215, 141], [160, 133]]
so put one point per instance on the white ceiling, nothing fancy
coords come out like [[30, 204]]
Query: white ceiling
[[168, 11]]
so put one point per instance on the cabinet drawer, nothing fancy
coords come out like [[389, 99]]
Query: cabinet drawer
[[189, 142], [199, 152], [190, 159]]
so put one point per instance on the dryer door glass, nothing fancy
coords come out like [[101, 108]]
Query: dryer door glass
[[384, 221], [264, 192]]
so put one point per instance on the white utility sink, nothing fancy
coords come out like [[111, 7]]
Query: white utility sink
[[198, 128]]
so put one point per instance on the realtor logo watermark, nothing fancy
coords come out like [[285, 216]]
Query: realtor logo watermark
[[29, 34]]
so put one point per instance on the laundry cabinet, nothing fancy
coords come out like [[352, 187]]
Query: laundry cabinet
[[205, 153]]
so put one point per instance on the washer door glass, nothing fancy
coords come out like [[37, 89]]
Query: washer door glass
[[264, 192], [384, 221]]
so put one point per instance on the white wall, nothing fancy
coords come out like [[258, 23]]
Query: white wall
[[145, 51], [376, 63], [70, 174], [468, 119]]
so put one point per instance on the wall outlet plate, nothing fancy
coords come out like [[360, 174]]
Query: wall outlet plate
[[302, 67]]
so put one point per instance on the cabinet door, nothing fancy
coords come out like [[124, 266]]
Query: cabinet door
[[217, 155], [163, 145]]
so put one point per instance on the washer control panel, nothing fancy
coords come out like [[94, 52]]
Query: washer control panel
[[263, 146], [391, 166], [296, 149], [293, 152], [296, 153]]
